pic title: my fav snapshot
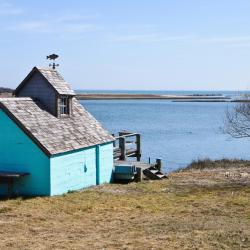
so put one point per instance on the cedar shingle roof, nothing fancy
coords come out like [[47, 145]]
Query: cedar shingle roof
[[55, 135], [53, 78], [57, 81]]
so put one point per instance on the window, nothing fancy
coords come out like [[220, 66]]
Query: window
[[64, 105]]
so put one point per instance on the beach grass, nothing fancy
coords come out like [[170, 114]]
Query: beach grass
[[214, 164]]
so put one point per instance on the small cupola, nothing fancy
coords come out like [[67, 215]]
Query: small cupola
[[48, 87]]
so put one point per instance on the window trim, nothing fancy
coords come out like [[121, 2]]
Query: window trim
[[64, 106]]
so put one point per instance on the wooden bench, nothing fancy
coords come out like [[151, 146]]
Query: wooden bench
[[8, 177]]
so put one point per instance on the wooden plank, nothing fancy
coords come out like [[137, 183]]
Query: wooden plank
[[122, 146], [123, 151], [138, 147], [5, 174], [140, 164]]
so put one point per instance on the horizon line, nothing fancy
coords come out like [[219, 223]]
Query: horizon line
[[88, 89]]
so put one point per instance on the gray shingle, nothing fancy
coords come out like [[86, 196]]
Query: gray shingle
[[56, 135], [56, 80]]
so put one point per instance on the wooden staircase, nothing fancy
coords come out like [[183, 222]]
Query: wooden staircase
[[128, 144], [153, 173]]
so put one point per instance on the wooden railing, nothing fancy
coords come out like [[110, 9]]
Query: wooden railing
[[127, 144]]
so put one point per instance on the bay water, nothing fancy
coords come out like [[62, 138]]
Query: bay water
[[177, 132]]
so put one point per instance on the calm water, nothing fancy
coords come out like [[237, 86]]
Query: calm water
[[176, 132]]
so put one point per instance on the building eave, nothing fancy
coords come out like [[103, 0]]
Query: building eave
[[23, 128]]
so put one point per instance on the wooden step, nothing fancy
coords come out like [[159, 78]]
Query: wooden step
[[154, 171], [154, 174], [161, 176]]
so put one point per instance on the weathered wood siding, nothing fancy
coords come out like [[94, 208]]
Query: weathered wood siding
[[82, 168], [37, 87], [19, 153]]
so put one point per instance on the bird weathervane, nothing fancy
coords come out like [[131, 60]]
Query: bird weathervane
[[53, 57]]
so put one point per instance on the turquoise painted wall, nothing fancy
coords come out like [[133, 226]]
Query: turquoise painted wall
[[78, 169], [106, 163], [19, 153], [50, 176]]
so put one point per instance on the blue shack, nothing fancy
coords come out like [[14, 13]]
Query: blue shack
[[49, 144]]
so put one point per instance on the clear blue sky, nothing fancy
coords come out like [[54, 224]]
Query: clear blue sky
[[129, 44]]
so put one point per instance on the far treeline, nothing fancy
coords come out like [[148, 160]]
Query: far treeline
[[5, 90]]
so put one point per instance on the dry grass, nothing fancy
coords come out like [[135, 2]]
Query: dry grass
[[195, 209], [224, 163]]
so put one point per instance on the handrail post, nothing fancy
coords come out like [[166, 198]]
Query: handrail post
[[122, 146], [114, 142], [138, 147], [158, 164]]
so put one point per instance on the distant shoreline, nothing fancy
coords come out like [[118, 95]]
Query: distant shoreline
[[174, 98], [98, 96]]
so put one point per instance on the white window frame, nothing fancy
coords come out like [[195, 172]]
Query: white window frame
[[64, 105]]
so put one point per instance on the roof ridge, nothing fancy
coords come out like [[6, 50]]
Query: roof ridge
[[56, 80], [45, 68]]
